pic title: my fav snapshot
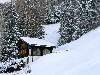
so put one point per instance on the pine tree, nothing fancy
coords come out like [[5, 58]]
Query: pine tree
[[35, 19], [77, 18], [1, 23], [68, 22], [51, 10], [31, 18], [12, 34]]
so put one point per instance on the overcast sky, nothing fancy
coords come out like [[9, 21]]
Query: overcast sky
[[3, 1]]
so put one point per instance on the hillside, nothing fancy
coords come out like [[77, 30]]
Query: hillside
[[82, 58], [51, 33], [89, 41]]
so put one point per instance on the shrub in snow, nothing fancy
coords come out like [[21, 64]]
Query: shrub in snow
[[12, 65], [27, 69]]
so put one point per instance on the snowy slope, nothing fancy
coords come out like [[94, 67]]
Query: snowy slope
[[83, 58], [68, 63], [89, 41], [51, 33]]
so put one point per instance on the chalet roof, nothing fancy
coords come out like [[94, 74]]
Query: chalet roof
[[37, 42]]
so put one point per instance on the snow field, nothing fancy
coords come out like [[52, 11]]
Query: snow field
[[51, 33]]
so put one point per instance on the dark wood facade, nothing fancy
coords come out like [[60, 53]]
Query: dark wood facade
[[22, 49], [25, 49]]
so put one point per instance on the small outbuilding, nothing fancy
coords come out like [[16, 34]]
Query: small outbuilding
[[34, 47]]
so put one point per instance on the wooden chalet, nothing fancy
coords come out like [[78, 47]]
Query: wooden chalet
[[34, 47]]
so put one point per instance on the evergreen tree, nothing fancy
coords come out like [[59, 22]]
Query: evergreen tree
[[68, 22], [77, 18], [35, 19], [1, 23], [12, 34], [51, 11], [31, 17]]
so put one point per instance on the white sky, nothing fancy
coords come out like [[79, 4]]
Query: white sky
[[3, 1]]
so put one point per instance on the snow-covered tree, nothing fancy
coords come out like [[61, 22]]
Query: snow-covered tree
[[11, 35], [51, 11], [1, 23], [36, 19], [68, 22], [31, 17], [77, 18]]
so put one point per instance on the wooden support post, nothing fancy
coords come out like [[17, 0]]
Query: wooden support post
[[51, 50], [27, 60], [32, 58], [42, 52], [32, 54]]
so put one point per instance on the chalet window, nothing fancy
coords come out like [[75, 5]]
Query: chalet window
[[46, 51], [22, 52], [36, 51]]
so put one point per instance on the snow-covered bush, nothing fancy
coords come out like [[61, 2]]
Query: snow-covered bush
[[12, 65], [27, 69]]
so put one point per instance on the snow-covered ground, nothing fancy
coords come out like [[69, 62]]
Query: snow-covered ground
[[51, 32], [3, 1], [82, 58]]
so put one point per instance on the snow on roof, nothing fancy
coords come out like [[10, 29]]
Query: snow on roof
[[36, 41]]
